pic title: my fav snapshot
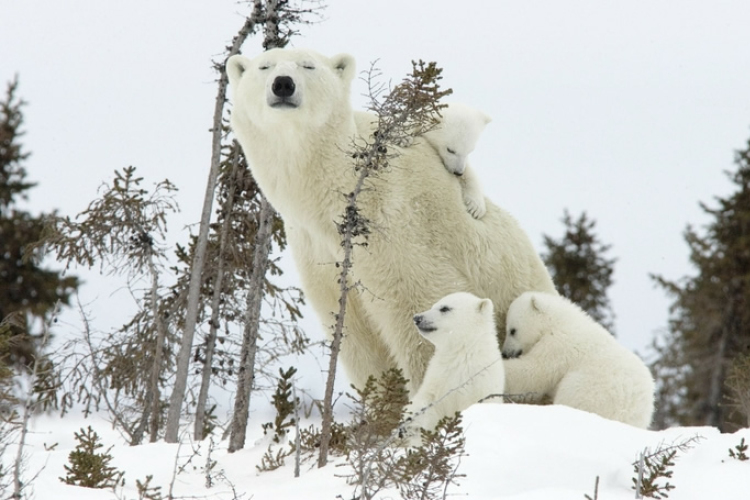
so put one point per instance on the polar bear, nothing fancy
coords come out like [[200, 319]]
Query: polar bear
[[293, 117], [552, 347], [467, 365], [454, 138]]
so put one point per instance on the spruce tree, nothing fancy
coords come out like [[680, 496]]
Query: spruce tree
[[89, 467], [123, 231], [709, 327], [580, 268], [28, 292]]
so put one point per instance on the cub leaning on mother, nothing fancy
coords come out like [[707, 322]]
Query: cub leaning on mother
[[293, 117]]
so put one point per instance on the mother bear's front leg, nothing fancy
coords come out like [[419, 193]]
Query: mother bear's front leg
[[363, 352]]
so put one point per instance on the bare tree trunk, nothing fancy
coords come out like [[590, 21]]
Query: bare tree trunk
[[639, 479], [414, 101], [246, 375], [183, 359], [297, 437], [252, 323], [714, 416], [348, 230], [28, 409], [200, 411], [161, 338], [338, 333], [136, 438], [715, 411], [152, 399], [272, 37]]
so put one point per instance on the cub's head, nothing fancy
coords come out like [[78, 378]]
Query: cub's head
[[527, 321], [289, 84], [455, 317], [457, 134]]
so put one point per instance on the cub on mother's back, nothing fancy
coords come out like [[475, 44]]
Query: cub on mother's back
[[454, 138]]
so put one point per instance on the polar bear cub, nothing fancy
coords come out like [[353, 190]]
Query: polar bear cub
[[454, 138], [467, 365], [552, 347]]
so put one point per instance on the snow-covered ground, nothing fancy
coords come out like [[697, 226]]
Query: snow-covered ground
[[515, 452]]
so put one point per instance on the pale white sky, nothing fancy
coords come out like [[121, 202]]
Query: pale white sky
[[628, 110]]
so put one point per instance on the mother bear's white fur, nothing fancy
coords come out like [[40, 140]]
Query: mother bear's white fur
[[292, 115]]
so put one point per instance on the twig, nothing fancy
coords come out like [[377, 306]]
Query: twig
[[681, 447], [297, 444], [421, 411], [639, 479], [178, 469], [97, 377], [596, 491], [509, 396]]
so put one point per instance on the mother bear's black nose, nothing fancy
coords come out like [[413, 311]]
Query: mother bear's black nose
[[283, 86]]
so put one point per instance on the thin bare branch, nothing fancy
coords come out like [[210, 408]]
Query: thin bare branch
[[186, 345]]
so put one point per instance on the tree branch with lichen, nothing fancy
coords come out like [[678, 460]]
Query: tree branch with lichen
[[411, 108]]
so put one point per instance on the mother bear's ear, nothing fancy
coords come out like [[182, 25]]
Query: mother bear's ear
[[236, 66], [344, 65]]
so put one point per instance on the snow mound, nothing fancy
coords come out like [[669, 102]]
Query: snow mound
[[515, 452]]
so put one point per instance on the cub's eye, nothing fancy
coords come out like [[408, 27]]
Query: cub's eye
[[450, 151], [308, 65], [512, 331], [264, 67], [444, 309]]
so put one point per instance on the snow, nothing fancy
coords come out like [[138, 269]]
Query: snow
[[610, 103], [515, 452]]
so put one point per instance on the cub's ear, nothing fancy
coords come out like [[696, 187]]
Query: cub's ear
[[485, 305], [236, 66], [486, 118], [344, 65], [536, 305]]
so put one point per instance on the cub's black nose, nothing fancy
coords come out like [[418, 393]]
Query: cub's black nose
[[418, 319], [283, 86]]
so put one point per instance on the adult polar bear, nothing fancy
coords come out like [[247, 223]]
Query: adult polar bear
[[293, 117]]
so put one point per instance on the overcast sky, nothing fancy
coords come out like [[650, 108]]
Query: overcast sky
[[630, 111]]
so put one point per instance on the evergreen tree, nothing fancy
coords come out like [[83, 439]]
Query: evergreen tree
[[89, 467], [709, 326], [580, 269], [123, 231], [27, 291]]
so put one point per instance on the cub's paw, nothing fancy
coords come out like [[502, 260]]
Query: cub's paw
[[475, 206]]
